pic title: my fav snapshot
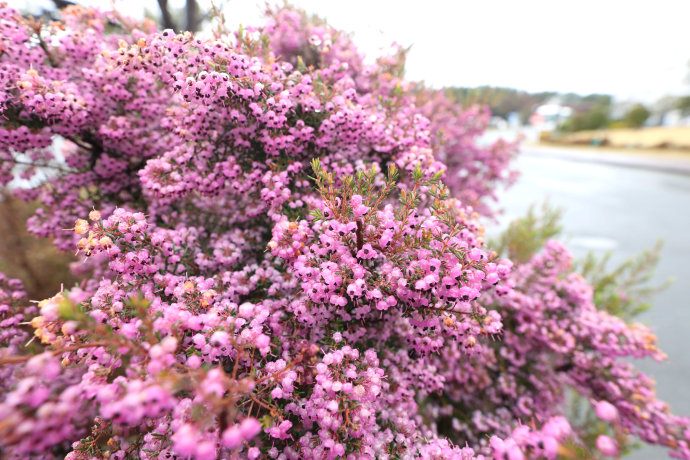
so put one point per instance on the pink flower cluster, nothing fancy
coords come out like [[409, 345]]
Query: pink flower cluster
[[271, 265], [541, 443], [473, 171], [559, 340], [13, 311]]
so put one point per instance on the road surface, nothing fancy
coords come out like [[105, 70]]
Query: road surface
[[624, 209]]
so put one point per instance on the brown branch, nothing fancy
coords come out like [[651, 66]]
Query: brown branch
[[166, 17], [292, 363], [192, 16], [33, 164], [273, 410], [60, 4], [36, 26], [23, 359], [360, 238]]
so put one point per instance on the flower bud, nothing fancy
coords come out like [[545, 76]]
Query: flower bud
[[95, 215], [81, 226], [607, 445], [606, 411]]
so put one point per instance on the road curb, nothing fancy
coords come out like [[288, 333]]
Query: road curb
[[615, 159]]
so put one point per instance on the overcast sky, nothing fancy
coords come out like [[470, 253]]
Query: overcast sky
[[632, 49]]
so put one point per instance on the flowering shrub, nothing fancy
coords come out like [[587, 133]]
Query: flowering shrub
[[282, 260]]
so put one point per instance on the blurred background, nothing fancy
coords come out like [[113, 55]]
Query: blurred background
[[598, 91]]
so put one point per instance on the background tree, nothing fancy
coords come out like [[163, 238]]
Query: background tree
[[189, 17], [597, 117], [683, 104], [636, 116]]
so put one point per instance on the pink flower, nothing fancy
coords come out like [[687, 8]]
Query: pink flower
[[357, 207], [367, 252], [185, 440], [607, 445], [606, 411], [250, 427], [232, 437]]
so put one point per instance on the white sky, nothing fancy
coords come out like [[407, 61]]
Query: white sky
[[634, 49]]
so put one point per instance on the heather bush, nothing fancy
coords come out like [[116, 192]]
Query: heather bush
[[281, 257]]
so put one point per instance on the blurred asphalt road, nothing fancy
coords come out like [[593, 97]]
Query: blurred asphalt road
[[624, 206]]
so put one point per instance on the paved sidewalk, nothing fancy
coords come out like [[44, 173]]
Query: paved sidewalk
[[622, 158]]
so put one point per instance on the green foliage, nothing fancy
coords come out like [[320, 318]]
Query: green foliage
[[636, 116], [625, 290], [596, 118], [525, 236], [683, 104], [585, 421], [501, 101], [595, 99], [504, 101]]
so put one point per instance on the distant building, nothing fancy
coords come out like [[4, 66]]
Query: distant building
[[514, 120], [675, 118], [498, 123], [548, 117]]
